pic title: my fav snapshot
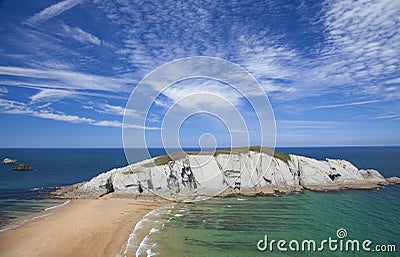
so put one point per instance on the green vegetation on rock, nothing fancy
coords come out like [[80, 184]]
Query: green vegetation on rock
[[165, 159], [281, 156]]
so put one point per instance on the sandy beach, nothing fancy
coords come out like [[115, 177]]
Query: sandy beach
[[84, 227]]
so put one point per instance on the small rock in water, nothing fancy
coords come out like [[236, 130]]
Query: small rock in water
[[23, 167], [9, 161]]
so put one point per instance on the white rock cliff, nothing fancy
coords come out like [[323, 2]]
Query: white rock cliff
[[247, 173]]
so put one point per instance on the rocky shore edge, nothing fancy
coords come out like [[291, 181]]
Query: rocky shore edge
[[75, 192]]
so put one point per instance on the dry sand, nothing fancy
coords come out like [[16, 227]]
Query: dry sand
[[84, 227]]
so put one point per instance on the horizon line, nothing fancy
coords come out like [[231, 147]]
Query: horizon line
[[191, 147]]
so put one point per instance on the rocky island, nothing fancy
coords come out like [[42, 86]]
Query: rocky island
[[9, 161], [23, 167], [245, 171]]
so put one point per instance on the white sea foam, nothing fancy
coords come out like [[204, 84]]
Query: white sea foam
[[132, 237], [12, 227], [42, 216], [151, 223], [150, 252], [59, 205], [143, 247], [36, 188], [24, 221], [153, 230]]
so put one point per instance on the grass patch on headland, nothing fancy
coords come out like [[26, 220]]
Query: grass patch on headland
[[259, 149], [281, 156], [165, 159]]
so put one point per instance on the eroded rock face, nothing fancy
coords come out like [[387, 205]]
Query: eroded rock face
[[250, 173]]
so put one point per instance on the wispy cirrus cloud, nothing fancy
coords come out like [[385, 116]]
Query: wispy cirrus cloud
[[355, 43], [362, 43], [395, 116], [197, 93], [69, 79], [118, 110], [3, 90], [80, 35], [359, 46], [51, 12], [322, 55], [15, 107], [345, 104], [58, 84], [52, 95], [308, 124]]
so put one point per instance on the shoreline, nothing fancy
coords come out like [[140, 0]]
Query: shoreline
[[92, 227], [75, 192], [47, 208], [83, 227], [25, 219]]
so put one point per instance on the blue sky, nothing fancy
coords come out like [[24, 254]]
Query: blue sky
[[330, 68]]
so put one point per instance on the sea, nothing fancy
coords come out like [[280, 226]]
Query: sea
[[337, 222]]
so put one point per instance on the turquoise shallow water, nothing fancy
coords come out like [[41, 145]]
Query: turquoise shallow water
[[233, 226]]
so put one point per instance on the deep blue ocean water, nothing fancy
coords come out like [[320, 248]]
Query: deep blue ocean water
[[223, 227], [22, 192]]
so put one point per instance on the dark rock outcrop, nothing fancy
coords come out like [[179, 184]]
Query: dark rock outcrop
[[23, 167], [393, 180]]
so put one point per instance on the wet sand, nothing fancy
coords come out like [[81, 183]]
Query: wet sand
[[84, 227]]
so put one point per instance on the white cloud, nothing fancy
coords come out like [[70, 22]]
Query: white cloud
[[15, 107], [395, 116], [70, 79], [307, 124], [360, 43], [345, 104], [134, 126], [57, 84], [61, 117], [81, 35], [197, 94], [356, 55], [52, 95], [3, 90], [52, 11], [118, 110], [108, 123], [363, 35], [393, 81], [119, 124]]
